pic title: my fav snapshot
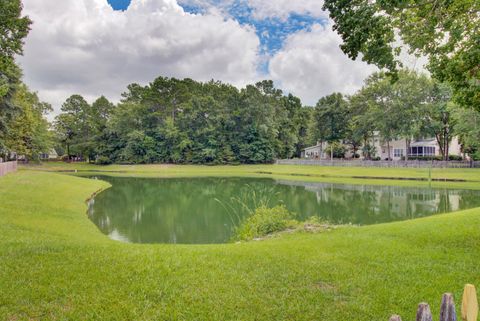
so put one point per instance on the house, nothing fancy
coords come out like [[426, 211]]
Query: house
[[315, 152], [418, 148], [398, 149], [51, 155]]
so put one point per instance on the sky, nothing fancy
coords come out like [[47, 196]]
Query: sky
[[98, 47]]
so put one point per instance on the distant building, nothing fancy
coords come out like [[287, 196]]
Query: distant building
[[398, 149], [52, 154], [316, 151]]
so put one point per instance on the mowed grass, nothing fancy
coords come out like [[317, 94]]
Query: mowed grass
[[470, 178], [56, 265]]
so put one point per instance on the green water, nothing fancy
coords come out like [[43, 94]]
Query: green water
[[207, 210]]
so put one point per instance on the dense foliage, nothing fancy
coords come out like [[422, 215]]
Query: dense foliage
[[24, 130], [184, 121], [447, 32]]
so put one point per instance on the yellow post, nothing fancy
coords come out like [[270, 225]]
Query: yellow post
[[469, 303]]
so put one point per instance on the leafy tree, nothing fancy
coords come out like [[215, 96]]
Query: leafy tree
[[330, 119], [360, 131], [436, 117], [75, 127], [445, 31], [29, 134], [13, 29], [467, 127], [395, 107]]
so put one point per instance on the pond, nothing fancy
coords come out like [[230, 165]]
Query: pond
[[207, 210]]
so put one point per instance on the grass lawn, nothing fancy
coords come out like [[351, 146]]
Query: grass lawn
[[349, 175], [56, 265]]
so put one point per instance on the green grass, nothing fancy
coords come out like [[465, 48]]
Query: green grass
[[56, 265], [344, 175]]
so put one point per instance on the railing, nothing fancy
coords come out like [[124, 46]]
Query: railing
[[468, 310], [366, 163], [7, 167]]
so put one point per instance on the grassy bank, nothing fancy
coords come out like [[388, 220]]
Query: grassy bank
[[463, 178], [55, 265]]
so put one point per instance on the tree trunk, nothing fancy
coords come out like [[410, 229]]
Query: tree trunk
[[447, 145], [388, 147], [407, 148], [440, 144], [331, 152]]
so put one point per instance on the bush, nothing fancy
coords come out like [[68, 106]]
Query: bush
[[339, 150], [265, 221], [434, 158], [103, 160], [455, 158]]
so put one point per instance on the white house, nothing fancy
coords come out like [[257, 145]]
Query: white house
[[398, 149], [418, 148]]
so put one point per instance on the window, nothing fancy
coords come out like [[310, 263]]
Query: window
[[430, 151], [398, 152], [422, 151]]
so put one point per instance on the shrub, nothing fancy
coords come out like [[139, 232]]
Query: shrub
[[103, 160], [339, 150], [455, 158], [265, 221], [435, 158]]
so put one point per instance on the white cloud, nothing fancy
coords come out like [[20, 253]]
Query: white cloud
[[312, 65], [85, 47]]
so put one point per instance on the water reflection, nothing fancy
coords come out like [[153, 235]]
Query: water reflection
[[206, 210]]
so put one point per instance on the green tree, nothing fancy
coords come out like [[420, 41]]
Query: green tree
[[394, 108], [330, 119], [13, 29], [29, 134], [467, 127], [436, 117], [75, 127], [445, 31]]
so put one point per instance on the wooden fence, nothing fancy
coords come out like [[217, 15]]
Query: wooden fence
[[365, 163], [468, 309], [7, 167]]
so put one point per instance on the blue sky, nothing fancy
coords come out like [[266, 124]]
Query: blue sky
[[119, 4]]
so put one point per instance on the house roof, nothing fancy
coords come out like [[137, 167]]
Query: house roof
[[426, 142]]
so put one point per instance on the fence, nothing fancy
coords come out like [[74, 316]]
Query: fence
[[7, 167], [365, 163], [468, 310]]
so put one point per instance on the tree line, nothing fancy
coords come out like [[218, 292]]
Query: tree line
[[190, 122], [185, 121]]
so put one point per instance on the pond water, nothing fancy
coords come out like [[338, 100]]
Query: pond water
[[207, 210]]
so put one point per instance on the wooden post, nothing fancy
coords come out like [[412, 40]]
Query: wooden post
[[469, 303], [447, 309], [395, 318], [423, 312]]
